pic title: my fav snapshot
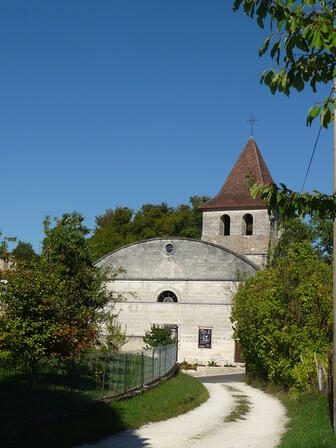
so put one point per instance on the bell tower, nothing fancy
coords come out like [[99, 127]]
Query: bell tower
[[236, 221]]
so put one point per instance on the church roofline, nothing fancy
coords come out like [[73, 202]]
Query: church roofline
[[240, 207], [225, 249]]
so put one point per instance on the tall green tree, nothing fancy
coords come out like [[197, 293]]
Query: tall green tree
[[293, 231], [53, 307], [24, 252], [121, 226], [317, 232], [322, 230], [80, 294]]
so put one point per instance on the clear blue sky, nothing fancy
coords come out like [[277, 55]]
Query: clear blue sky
[[125, 102]]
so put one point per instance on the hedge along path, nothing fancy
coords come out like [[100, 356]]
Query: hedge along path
[[261, 425]]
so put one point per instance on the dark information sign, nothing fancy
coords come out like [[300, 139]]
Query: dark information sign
[[204, 337]]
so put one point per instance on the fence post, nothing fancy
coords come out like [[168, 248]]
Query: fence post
[[103, 382], [165, 367], [111, 376], [153, 353], [160, 351], [125, 372], [142, 368]]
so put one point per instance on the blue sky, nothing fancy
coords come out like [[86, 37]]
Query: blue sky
[[125, 102]]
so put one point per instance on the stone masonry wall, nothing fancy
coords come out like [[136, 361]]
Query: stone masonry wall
[[253, 246]]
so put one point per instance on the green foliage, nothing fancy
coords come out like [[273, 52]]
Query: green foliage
[[290, 204], [283, 315], [302, 43], [115, 336], [53, 307], [158, 336], [24, 252], [185, 365], [212, 364], [309, 425], [322, 230], [4, 253], [27, 323], [118, 227], [81, 294], [293, 231]]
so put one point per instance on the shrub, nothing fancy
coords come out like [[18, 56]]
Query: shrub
[[188, 366], [159, 336], [283, 315]]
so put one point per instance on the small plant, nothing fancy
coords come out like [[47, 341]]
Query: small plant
[[212, 364], [188, 366]]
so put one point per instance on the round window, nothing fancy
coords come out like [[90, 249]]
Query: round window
[[169, 248], [167, 297]]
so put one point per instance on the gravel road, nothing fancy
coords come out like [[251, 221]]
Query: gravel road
[[214, 424]]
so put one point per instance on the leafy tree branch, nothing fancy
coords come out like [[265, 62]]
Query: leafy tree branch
[[303, 41]]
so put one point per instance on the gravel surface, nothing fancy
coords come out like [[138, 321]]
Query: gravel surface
[[261, 424]]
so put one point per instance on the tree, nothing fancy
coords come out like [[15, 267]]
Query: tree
[[293, 231], [80, 296], [53, 307], [303, 44], [24, 252], [158, 336], [115, 336], [323, 237], [4, 252], [317, 232], [28, 318], [121, 226], [283, 315]]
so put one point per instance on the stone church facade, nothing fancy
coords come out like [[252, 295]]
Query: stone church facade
[[190, 284]]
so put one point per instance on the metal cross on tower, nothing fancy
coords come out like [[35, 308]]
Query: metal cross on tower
[[252, 120]]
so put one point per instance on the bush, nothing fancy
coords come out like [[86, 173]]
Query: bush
[[158, 336], [283, 315], [185, 365]]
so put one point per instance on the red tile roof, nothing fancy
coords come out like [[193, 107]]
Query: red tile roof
[[234, 193]]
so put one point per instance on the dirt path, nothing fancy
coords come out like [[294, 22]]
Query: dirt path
[[214, 424]]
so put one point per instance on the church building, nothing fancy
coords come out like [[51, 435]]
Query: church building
[[190, 284]]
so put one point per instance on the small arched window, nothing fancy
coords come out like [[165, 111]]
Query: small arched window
[[248, 224], [225, 225], [167, 297]]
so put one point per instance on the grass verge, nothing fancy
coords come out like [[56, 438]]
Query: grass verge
[[310, 424], [173, 397]]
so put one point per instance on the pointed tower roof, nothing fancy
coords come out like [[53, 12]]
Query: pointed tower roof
[[234, 193]]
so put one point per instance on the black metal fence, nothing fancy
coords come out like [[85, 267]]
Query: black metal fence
[[62, 387], [124, 371]]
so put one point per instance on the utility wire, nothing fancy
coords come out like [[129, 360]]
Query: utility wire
[[314, 149], [311, 158]]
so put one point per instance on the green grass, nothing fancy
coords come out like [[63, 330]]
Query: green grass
[[310, 424], [171, 398]]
